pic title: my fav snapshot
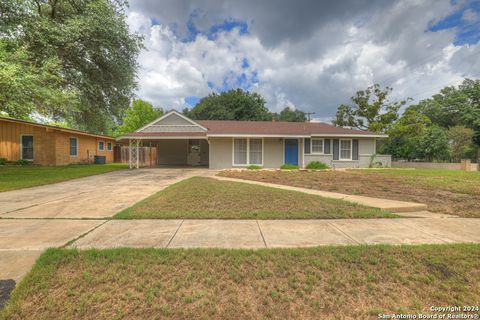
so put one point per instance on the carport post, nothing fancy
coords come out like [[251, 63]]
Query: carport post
[[133, 152]]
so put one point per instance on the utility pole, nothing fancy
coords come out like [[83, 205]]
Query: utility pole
[[308, 115]]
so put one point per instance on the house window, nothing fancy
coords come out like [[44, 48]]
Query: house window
[[255, 151], [240, 151], [27, 148], [247, 151], [317, 145], [73, 147], [307, 146], [109, 146], [345, 149], [101, 145]]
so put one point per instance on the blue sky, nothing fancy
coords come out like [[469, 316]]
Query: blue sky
[[310, 55], [467, 31]]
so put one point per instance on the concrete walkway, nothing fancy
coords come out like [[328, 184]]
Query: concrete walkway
[[278, 233], [390, 205]]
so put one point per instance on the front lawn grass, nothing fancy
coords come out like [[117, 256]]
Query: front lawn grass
[[353, 282], [18, 177], [444, 191], [207, 198]]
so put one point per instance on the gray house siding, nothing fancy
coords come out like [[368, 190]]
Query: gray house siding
[[366, 148], [172, 123], [221, 154], [173, 120]]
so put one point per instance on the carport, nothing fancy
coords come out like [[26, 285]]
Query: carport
[[171, 151]]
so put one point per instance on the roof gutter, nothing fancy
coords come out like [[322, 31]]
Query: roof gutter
[[340, 135], [159, 137]]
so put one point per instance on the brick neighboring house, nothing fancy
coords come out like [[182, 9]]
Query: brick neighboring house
[[51, 145]]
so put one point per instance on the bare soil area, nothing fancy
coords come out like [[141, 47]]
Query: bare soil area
[[444, 191]]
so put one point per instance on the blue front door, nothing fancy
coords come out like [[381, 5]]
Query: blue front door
[[291, 151]]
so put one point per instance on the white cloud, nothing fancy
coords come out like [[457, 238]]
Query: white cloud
[[314, 70], [470, 16]]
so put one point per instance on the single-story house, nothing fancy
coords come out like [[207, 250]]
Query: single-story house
[[220, 144], [51, 145]]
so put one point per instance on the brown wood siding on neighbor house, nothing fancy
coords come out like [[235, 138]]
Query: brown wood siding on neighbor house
[[87, 148], [50, 146], [10, 142]]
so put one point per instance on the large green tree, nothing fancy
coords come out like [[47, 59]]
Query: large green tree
[[405, 135], [454, 106], [370, 110], [88, 51], [26, 88], [234, 104], [290, 115], [138, 115], [433, 144], [461, 143]]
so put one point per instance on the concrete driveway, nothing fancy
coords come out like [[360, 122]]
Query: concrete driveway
[[34, 219], [98, 196]]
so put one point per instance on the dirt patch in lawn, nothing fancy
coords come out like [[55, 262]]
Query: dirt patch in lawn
[[450, 192], [207, 198], [316, 283]]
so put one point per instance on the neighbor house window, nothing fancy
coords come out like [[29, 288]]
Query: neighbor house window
[[345, 149], [247, 151], [317, 145], [109, 146], [101, 145], [73, 147], [27, 148]]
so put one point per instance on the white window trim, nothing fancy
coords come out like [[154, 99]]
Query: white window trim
[[98, 145], [248, 153], [76, 139], [311, 146], [21, 146], [111, 146], [340, 150]]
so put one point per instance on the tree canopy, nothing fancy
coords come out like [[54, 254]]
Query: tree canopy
[[77, 57], [290, 115], [237, 104], [370, 110], [443, 127], [138, 115], [234, 104]]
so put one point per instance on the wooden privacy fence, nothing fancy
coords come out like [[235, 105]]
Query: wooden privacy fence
[[147, 155]]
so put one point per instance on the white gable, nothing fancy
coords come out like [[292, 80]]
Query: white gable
[[173, 122]]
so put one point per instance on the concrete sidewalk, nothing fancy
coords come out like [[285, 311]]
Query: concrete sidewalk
[[22, 241], [385, 204], [278, 233]]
